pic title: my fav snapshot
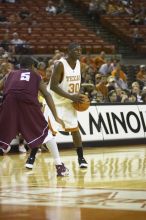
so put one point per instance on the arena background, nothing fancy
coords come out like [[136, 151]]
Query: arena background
[[114, 185]]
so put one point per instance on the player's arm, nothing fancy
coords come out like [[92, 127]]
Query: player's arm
[[2, 82], [57, 76], [49, 101]]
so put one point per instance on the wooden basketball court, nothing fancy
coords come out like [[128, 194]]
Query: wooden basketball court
[[112, 188]]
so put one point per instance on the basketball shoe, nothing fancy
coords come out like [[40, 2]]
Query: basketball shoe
[[29, 163], [22, 149], [82, 162], [62, 170]]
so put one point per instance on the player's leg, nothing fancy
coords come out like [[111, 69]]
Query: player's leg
[[33, 131], [51, 144], [8, 123], [79, 148], [2, 151], [31, 159], [61, 170], [69, 115]]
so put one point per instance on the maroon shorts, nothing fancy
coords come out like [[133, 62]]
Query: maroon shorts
[[22, 115]]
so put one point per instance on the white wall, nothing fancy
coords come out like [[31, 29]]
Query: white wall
[[109, 122]]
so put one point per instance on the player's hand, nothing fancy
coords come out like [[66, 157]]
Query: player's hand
[[60, 122], [78, 98]]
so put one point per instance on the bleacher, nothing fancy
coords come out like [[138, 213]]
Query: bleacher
[[51, 32], [120, 25]]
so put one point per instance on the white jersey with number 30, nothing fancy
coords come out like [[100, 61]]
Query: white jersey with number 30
[[70, 83]]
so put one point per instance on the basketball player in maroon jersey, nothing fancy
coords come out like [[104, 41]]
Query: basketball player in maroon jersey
[[20, 111]]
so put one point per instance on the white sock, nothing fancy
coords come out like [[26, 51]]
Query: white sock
[[53, 148]]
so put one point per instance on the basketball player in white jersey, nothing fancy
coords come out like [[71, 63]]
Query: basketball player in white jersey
[[65, 85]]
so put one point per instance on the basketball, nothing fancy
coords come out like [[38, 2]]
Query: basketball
[[82, 106]]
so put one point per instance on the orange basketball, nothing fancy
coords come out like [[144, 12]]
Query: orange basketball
[[82, 106]]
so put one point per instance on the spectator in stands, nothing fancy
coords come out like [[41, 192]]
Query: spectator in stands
[[129, 10], [87, 76], [97, 78], [106, 68], [2, 51], [90, 87], [92, 9], [112, 96], [91, 72], [101, 8], [120, 82], [99, 60], [132, 98], [114, 62], [5, 43], [97, 97], [127, 2], [120, 77], [18, 45], [51, 9], [87, 87], [135, 83], [111, 8], [143, 97], [120, 72], [8, 66], [124, 96], [24, 14], [84, 68], [100, 98], [119, 92], [141, 76], [89, 60], [143, 89], [41, 69], [137, 20], [136, 36], [101, 86], [111, 84], [50, 64], [61, 8], [57, 55], [136, 90]]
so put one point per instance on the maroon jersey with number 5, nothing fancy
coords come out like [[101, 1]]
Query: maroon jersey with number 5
[[20, 111]]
